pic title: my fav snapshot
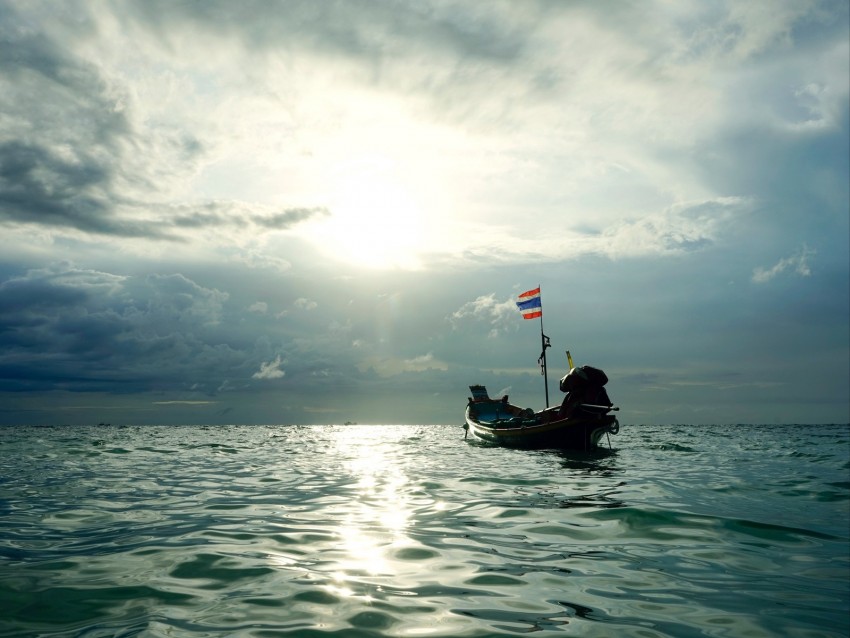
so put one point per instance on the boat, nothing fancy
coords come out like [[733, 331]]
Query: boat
[[578, 423], [497, 421]]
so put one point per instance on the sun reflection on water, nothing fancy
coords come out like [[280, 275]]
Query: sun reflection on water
[[376, 520]]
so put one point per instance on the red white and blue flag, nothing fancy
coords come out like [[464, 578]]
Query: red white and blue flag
[[529, 304]]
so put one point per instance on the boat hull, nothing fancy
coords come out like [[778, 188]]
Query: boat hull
[[575, 433]]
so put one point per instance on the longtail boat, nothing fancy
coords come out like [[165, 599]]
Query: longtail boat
[[579, 423], [502, 423]]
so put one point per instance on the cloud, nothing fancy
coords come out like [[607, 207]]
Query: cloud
[[388, 367], [499, 314], [40, 187], [288, 218], [682, 228], [67, 142], [270, 370], [424, 362], [77, 329], [256, 259], [82, 150], [302, 303], [137, 149], [798, 263], [234, 214]]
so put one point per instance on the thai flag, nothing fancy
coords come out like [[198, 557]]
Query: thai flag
[[529, 304]]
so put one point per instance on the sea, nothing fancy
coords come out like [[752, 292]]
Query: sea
[[362, 531]]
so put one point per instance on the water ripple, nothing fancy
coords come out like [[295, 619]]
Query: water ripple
[[362, 531]]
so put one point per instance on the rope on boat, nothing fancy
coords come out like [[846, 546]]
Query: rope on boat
[[613, 428]]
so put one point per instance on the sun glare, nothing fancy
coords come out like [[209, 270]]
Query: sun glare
[[377, 218]]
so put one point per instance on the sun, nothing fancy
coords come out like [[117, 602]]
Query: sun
[[377, 218]]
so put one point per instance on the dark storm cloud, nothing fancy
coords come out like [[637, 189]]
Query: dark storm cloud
[[38, 187], [288, 218], [63, 138], [30, 57], [65, 328], [238, 214]]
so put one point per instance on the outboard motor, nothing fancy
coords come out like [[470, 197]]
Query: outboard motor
[[584, 386], [582, 377]]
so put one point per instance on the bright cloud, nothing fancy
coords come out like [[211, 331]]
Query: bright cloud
[[270, 370], [499, 314], [683, 227], [798, 263]]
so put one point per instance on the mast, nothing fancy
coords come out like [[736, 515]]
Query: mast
[[544, 343], [531, 306]]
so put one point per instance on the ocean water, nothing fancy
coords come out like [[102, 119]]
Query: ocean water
[[359, 531]]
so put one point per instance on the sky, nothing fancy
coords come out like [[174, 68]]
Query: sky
[[320, 212]]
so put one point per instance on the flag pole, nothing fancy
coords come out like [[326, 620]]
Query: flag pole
[[544, 343], [531, 305]]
